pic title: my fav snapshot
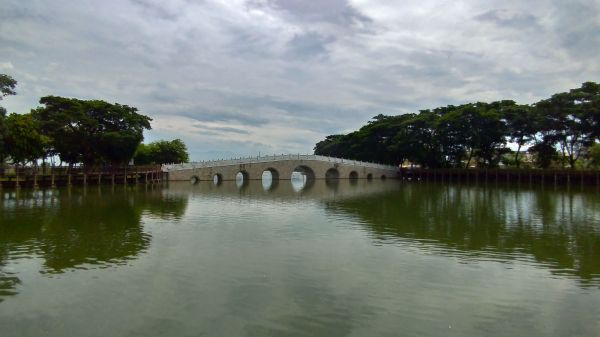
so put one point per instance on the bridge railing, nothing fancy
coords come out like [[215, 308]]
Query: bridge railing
[[273, 158]]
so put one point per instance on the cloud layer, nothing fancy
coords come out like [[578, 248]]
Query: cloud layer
[[239, 77]]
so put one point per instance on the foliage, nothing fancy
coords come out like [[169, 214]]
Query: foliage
[[92, 132], [7, 86], [571, 120], [594, 155], [162, 152], [544, 154], [478, 133], [24, 142]]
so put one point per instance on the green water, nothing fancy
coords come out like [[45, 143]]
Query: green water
[[378, 258]]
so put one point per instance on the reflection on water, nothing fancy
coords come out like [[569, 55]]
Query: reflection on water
[[78, 228], [558, 229], [300, 258]]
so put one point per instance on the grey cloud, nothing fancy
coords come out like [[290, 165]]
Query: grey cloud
[[309, 44], [331, 11], [219, 129], [509, 19], [232, 116]]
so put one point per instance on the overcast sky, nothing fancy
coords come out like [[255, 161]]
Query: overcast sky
[[239, 77]]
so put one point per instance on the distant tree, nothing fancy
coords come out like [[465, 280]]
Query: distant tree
[[456, 136], [7, 87], [472, 130], [594, 155], [371, 142], [417, 140], [332, 145], [162, 152], [571, 120], [543, 154], [24, 142], [92, 132], [521, 123]]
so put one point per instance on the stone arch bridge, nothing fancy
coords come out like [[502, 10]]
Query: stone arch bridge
[[281, 167]]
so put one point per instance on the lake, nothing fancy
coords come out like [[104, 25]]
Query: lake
[[336, 258]]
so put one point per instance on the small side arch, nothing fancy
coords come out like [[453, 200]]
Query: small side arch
[[217, 178], [353, 175]]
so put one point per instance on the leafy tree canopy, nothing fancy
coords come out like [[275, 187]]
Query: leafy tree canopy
[[457, 136], [91, 131], [162, 152], [7, 86]]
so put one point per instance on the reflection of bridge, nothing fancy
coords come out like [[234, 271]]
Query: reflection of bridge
[[281, 167]]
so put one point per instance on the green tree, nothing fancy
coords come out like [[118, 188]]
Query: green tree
[[571, 120], [471, 130], [521, 123], [594, 155], [24, 142], [92, 132], [417, 140], [543, 153], [162, 152], [7, 87]]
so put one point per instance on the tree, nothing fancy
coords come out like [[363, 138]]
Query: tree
[[571, 120], [23, 140], [521, 123], [92, 132], [7, 87], [544, 153], [470, 130], [594, 155], [332, 145], [417, 140], [162, 152]]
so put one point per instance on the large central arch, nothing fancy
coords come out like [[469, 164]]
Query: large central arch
[[332, 173], [305, 174]]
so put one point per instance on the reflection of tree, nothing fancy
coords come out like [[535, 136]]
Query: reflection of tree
[[79, 229], [557, 229], [162, 203], [97, 230]]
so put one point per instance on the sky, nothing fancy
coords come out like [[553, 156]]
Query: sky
[[242, 77]]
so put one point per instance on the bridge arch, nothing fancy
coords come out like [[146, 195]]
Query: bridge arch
[[383, 177], [194, 180], [332, 173], [242, 178], [270, 179], [217, 178], [370, 176], [302, 177], [274, 173], [353, 175]]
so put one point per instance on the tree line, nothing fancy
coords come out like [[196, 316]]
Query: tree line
[[563, 131], [88, 132]]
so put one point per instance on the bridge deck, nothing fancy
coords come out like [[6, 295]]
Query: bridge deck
[[274, 158], [281, 167]]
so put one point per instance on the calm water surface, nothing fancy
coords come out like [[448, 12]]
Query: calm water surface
[[362, 258]]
